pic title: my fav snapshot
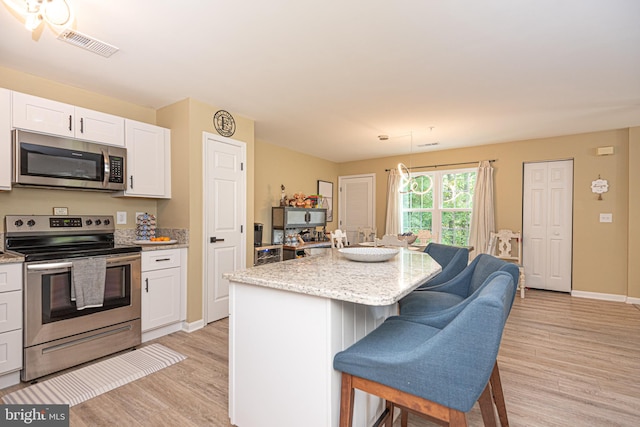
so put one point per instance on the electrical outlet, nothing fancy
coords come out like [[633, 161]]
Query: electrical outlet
[[121, 218], [61, 211], [606, 217]]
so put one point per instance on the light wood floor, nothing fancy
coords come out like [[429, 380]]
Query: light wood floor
[[564, 361]]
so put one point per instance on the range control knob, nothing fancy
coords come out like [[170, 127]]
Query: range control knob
[[98, 222], [107, 222], [31, 223], [18, 223], [88, 222]]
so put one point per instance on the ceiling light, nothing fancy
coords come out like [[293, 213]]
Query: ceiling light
[[408, 184], [56, 13]]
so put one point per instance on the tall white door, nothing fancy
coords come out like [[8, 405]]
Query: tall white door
[[547, 217], [224, 219], [357, 201]]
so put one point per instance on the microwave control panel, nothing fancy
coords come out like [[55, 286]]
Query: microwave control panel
[[116, 165]]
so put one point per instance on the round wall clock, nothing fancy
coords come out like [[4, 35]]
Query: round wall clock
[[599, 186], [224, 123]]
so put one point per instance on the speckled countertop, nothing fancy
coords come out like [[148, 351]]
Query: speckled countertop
[[331, 275], [127, 237]]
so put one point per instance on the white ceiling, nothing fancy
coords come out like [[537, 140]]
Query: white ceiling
[[327, 77]]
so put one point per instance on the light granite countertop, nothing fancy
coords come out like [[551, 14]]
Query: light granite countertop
[[331, 275], [6, 258]]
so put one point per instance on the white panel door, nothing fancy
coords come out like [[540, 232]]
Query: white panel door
[[225, 213], [547, 225], [356, 204]]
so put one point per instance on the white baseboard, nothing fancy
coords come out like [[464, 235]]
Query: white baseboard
[[600, 296], [632, 300], [8, 380], [193, 326]]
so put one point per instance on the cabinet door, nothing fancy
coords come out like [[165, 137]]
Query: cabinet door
[[10, 351], [5, 139], [148, 160], [99, 127], [10, 311], [160, 298], [318, 217], [296, 217], [42, 115]]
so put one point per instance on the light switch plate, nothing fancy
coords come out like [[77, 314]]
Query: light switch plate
[[606, 217], [61, 211], [121, 218]]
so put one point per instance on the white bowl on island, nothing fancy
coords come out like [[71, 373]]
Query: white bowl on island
[[369, 254]]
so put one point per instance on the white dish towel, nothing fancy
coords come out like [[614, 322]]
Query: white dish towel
[[87, 282]]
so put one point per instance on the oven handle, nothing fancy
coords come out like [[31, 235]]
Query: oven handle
[[55, 265], [49, 266], [121, 259]]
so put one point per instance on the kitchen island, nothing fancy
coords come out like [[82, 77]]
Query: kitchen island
[[289, 319]]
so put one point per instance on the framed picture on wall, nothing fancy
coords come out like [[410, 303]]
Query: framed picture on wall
[[325, 189]]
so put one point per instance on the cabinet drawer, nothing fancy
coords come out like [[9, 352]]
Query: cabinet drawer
[[10, 277], [157, 260], [10, 351]]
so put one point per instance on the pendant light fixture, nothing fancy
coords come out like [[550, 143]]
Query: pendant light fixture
[[408, 183]]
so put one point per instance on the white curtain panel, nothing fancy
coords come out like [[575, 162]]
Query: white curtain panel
[[392, 225], [483, 217]]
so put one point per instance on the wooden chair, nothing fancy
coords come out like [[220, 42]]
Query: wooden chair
[[425, 237], [367, 234], [501, 245], [391, 240], [339, 239]]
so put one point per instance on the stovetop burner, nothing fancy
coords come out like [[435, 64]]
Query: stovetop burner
[[43, 237]]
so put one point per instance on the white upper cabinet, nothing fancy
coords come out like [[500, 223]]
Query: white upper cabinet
[[57, 118], [5, 139], [148, 160]]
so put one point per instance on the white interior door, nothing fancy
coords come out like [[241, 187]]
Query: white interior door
[[547, 217], [224, 217], [356, 203]]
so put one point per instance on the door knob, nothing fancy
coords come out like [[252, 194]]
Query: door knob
[[215, 239]]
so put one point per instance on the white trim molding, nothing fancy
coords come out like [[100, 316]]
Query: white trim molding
[[600, 296]]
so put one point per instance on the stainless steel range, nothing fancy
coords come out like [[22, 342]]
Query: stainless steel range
[[59, 331]]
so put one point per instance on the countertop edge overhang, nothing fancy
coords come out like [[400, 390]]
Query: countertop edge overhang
[[331, 275]]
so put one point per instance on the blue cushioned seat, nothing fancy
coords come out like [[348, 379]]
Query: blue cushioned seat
[[455, 291], [448, 364], [452, 259]]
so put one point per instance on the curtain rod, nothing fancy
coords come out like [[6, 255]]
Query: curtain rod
[[447, 164]]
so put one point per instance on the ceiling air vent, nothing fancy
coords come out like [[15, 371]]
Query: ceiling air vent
[[88, 43], [428, 144]]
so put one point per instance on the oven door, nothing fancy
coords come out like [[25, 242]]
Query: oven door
[[49, 312]]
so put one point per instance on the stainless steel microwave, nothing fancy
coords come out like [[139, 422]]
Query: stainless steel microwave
[[52, 161]]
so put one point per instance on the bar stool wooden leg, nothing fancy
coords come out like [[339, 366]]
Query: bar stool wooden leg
[[498, 395], [346, 401], [486, 407]]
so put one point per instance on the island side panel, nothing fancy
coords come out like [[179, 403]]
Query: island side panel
[[281, 357]]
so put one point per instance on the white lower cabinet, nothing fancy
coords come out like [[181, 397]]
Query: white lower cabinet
[[10, 324], [162, 292]]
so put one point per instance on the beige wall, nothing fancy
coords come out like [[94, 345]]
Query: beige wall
[[188, 119], [599, 250], [296, 171], [41, 202]]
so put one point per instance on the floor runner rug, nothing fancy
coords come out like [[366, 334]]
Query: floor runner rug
[[82, 384]]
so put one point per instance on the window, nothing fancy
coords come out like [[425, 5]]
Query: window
[[445, 209]]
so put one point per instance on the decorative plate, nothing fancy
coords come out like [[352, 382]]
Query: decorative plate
[[160, 242], [369, 254]]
